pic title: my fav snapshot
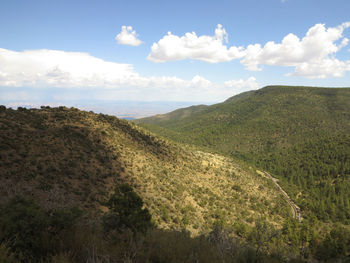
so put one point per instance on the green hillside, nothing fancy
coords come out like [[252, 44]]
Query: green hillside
[[82, 187], [300, 134], [76, 157], [59, 163]]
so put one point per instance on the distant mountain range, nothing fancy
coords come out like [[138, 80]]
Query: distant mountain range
[[122, 109]]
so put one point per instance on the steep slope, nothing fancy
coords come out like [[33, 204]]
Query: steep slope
[[271, 118], [301, 134], [65, 157]]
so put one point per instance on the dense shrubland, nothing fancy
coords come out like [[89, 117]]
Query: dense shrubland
[[299, 134], [126, 233], [84, 187]]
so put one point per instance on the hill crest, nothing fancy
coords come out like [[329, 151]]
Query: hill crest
[[69, 157], [299, 134]]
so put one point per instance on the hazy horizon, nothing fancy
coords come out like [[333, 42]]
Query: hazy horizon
[[141, 51], [121, 109]]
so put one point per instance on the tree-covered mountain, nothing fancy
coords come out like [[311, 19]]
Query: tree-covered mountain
[[300, 134], [69, 156], [83, 187], [57, 163]]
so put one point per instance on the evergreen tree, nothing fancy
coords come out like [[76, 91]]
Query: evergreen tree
[[126, 211]]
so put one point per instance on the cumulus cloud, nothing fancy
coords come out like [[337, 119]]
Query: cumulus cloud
[[241, 84], [312, 56], [206, 48], [324, 68], [58, 73], [128, 36], [57, 68]]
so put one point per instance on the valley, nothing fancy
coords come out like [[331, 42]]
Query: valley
[[264, 183], [298, 134], [175, 131]]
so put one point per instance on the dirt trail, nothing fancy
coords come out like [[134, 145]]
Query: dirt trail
[[295, 208]]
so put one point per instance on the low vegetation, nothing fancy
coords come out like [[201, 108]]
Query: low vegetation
[[59, 165], [299, 134], [83, 187], [65, 157]]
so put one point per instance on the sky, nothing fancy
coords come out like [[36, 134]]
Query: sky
[[160, 50]]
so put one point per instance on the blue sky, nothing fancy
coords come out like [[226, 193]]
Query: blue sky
[[170, 50]]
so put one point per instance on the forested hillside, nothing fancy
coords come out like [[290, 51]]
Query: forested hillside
[[300, 134], [83, 187], [73, 181]]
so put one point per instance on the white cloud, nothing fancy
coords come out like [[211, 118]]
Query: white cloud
[[312, 56], [65, 73], [323, 68], [206, 48], [241, 84], [128, 36], [56, 68]]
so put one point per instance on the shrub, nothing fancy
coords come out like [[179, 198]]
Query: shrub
[[21, 224], [126, 211], [6, 256]]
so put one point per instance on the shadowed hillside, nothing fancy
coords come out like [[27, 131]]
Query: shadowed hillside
[[83, 187], [65, 157]]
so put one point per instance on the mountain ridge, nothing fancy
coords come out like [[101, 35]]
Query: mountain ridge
[[75, 157], [58, 169], [299, 134]]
